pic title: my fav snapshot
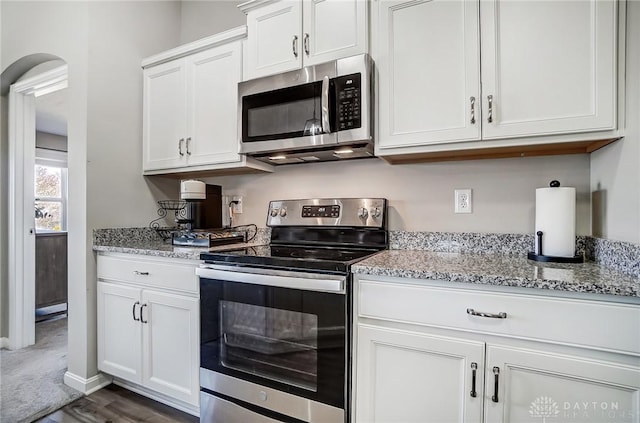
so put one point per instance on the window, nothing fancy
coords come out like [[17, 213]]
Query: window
[[50, 191]]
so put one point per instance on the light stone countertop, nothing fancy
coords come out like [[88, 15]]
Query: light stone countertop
[[159, 248], [500, 270]]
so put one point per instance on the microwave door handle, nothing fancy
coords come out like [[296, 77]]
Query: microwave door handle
[[326, 128]]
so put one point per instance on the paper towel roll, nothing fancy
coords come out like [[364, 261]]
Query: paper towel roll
[[556, 218]]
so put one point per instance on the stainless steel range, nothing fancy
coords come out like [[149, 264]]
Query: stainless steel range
[[275, 319]]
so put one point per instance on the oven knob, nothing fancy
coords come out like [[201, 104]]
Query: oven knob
[[375, 212], [263, 396], [283, 212], [363, 213], [273, 212]]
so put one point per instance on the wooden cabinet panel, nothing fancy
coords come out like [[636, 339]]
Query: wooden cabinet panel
[[51, 269]]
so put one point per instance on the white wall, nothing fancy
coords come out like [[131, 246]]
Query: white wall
[[51, 141], [615, 169], [202, 18], [421, 195], [103, 48]]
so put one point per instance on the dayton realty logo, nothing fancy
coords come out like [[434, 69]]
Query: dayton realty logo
[[544, 407]]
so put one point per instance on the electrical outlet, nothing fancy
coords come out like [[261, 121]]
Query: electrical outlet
[[462, 200], [237, 208]]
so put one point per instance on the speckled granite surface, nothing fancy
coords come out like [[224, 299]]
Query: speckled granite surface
[[462, 242], [500, 270], [490, 259], [146, 241]]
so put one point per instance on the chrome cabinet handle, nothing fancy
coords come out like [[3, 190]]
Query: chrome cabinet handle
[[142, 308], [496, 373], [137, 272], [180, 141], [294, 45], [188, 142], [473, 110], [474, 368], [133, 311], [501, 315], [305, 42], [490, 100]]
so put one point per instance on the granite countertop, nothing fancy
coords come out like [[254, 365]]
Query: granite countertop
[[500, 270], [160, 248]]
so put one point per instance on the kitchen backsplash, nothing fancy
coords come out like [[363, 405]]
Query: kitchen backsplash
[[618, 255]]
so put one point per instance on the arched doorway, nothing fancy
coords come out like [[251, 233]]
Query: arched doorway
[[21, 160]]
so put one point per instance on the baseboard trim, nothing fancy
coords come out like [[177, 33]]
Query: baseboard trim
[[4, 343], [171, 402], [87, 386]]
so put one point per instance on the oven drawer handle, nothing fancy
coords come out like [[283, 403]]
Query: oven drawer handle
[[295, 280], [501, 315]]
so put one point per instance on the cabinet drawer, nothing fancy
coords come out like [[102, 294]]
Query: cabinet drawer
[[161, 273], [601, 325]]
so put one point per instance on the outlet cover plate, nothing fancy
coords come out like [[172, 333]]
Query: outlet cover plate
[[462, 198]]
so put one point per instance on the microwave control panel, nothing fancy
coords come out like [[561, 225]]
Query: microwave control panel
[[348, 91]]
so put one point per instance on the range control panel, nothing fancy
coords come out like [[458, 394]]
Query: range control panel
[[321, 211], [355, 212]]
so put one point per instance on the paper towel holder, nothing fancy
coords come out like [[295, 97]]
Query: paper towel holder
[[551, 259]]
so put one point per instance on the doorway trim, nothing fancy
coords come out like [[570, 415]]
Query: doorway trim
[[21, 223]]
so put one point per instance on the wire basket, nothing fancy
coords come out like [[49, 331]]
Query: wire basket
[[172, 204]]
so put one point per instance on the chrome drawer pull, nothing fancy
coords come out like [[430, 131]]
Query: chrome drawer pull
[[501, 315], [134, 311], [474, 368], [142, 308], [473, 110], [496, 373], [137, 272], [490, 101], [294, 45]]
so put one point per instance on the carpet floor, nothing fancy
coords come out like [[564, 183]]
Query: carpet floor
[[31, 379]]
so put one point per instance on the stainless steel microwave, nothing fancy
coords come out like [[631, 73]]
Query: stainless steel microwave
[[317, 113]]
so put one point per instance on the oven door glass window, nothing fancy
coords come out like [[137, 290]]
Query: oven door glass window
[[277, 344], [287, 339]]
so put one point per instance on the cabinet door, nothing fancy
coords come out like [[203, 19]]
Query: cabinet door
[[213, 105], [427, 54], [333, 29], [171, 345], [164, 116], [534, 386], [119, 333], [549, 66], [410, 377], [274, 42]]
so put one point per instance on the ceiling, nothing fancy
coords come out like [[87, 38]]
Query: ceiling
[[51, 113]]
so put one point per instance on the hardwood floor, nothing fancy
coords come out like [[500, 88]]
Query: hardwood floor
[[114, 404]]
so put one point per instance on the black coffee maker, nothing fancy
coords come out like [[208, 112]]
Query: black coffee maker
[[204, 205]]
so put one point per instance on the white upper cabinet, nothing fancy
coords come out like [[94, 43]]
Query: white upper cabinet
[[428, 60], [452, 72], [190, 117], [286, 35], [212, 94], [333, 29], [273, 43], [549, 66], [165, 118]]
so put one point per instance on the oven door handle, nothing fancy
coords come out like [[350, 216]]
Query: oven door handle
[[275, 278]]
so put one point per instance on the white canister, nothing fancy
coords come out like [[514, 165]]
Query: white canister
[[556, 219], [192, 190]]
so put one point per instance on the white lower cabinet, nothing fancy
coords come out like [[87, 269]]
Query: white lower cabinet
[[413, 366], [405, 376], [149, 336]]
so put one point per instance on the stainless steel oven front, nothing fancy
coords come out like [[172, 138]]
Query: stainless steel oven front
[[273, 345]]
